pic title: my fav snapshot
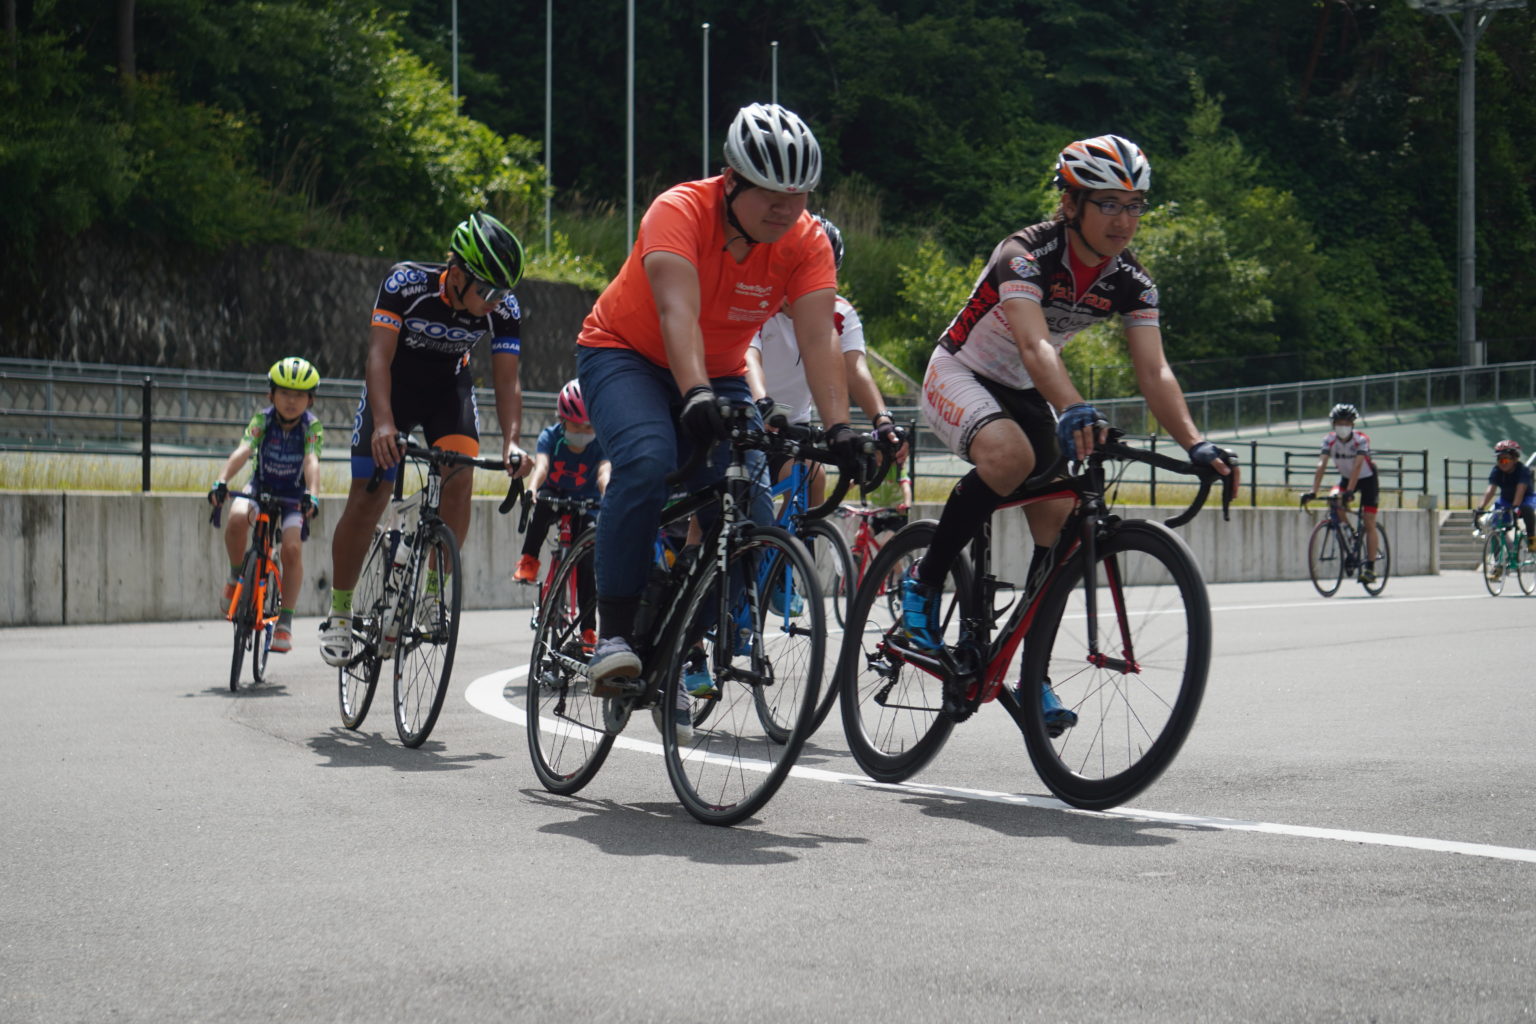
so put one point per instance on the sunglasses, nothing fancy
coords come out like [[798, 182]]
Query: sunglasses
[[488, 292]]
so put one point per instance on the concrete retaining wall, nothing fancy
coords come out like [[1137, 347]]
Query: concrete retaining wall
[[95, 557]]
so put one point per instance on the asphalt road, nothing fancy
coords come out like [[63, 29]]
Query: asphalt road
[[1348, 835]]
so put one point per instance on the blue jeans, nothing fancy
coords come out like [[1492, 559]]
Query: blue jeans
[[634, 406]]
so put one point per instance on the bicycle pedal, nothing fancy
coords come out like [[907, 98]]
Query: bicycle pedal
[[615, 687]]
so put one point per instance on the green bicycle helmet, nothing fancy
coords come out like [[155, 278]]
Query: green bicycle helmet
[[295, 374], [488, 250]]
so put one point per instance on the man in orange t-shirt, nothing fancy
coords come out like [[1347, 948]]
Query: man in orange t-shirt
[[713, 259]]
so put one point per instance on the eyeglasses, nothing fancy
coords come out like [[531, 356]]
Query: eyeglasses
[[1506, 457], [488, 292], [1110, 208]]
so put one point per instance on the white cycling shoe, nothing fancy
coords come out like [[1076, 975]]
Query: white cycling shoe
[[336, 640]]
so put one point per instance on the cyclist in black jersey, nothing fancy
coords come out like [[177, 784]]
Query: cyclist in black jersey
[[996, 376], [427, 318]]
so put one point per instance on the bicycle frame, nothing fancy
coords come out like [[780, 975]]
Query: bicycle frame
[[979, 666]]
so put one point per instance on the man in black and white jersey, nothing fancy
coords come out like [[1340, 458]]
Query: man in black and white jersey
[[997, 375], [1350, 452], [427, 318]]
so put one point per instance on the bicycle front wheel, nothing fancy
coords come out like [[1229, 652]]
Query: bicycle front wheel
[[1493, 562], [1133, 674], [567, 737], [357, 679], [1383, 565], [834, 568], [244, 620], [729, 764], [891, 708], [271, 607], [784, 609], [429, 632], [1325, 558]]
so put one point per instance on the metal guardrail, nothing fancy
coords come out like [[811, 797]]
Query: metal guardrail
[[169, 413]]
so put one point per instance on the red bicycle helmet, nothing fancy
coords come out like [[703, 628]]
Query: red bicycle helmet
[[1507, 447], [571, 406]]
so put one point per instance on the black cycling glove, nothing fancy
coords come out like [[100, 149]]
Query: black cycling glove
[[847, 448], [217, 493], [1204, 453], [775, 416], [701, 417]]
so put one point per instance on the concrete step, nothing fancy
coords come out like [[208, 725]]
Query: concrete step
[[1460, 548]]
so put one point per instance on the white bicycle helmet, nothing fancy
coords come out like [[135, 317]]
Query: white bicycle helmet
[[1104, 162], [773, 149]]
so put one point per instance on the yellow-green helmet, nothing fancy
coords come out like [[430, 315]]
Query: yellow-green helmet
[[488, 250], [295, 374]]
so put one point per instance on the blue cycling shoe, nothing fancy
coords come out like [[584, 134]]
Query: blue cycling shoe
[[920, 620], [1058, 717]]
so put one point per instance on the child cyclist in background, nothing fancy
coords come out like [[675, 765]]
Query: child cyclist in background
[[1513, 482], [285, 438], [568, 462], [1350, 450]]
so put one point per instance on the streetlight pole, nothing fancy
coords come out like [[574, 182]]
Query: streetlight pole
[[774, 48], [549, 53], [629, 131], [1475, 16], [705, 148]]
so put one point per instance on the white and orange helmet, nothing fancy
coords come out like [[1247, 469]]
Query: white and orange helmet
[[1105, 162]]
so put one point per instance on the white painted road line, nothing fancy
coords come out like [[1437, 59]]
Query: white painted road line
[[487, 694]]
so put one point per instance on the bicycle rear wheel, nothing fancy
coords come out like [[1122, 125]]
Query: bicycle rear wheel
[[891, 708], [834, 569], [357, 679], [1493, 561], [429, 633], [732, 765], [1325, 558], [781, 588], [1137, 689], [1525, 564], [1383, 564], [567, 738], [244, 620]]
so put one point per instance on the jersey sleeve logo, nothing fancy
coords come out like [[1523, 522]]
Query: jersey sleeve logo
[[1024, 266], [402, 278], [384, 318]]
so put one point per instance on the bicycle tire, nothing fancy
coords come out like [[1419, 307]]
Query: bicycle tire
[[1525, 565], [567, 738], [891, 709], [1493, 561], [1135, 708], [429, 633], [730, 766], [244, 619], [834, 567], [773, 630], [261, 641], [1325, 558], [357, 680], [1383, 564]]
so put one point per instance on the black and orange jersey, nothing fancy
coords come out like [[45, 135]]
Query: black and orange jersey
[[436, 339], [1031, 264]]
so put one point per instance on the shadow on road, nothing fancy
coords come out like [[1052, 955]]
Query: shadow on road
[[662, 829], [1021, 822], [248, 691], [344, 748]]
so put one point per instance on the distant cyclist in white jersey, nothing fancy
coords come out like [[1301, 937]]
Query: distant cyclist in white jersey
[[1350, 451]]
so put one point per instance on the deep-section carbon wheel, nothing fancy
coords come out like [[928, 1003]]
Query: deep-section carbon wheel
[[891, 706], [1136, 687], [766, 678], [568, 738], [1383, 565], [429, 632], [245, 619]]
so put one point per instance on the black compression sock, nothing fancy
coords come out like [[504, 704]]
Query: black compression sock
[[968, 507]]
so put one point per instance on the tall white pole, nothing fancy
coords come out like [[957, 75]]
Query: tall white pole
[[455, 29], [1466, 272], [629, 135], [549, 78], [704, 149], [774, 46]]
